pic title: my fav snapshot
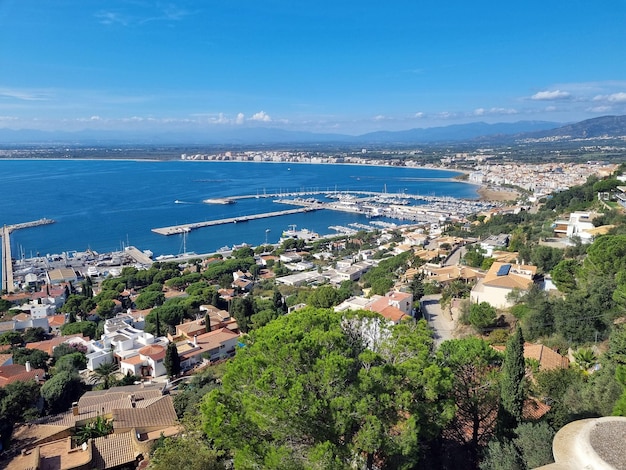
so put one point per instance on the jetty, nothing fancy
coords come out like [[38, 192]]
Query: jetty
[[7, 261], [184, 228]]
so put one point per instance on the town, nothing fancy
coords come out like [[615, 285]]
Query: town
[[106, 356]]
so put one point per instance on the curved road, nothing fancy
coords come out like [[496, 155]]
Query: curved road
[[440, 322]]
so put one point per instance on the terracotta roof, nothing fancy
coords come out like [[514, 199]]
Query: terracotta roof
[[209, 341], [511, 280], [49, 345], [133, 360], [548, 358], [153, 351], [56, 320], [382, 307], [17, 372], [534, 409], [191, 328]]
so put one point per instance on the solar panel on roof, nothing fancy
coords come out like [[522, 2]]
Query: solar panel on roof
[[504, 270]]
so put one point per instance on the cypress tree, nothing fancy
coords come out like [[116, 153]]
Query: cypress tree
[[513, 390], [157, 331], [172, 360]]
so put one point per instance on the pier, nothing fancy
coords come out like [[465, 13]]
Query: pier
[[183, 228], [7, 262]]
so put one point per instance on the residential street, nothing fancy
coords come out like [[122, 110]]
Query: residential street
[[440, 322]]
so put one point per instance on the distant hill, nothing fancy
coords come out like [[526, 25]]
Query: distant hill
[[604, 126], [611, 126]]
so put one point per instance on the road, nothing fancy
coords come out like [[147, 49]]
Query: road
[[440, 322]]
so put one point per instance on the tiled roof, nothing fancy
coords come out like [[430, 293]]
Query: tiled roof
[[548, 358], [209, 341], [159, 413], [49, 345], [113, 450], [153, 351], [17, 372], [534, 409]]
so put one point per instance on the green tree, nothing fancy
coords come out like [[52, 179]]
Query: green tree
[[61, 391], [11, 338], [475, 391], [513, 387], [5, 305], [105, 373], [172, 360], [18, 403], [86, 328], [308, 388], [149, 298], [38, 359], [72, 362], [99, 427], [33, 335], [482, 315], [185, 451], [564, 275]]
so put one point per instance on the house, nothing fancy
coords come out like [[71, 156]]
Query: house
[[10, 373], [219, 319], [133, 349], [577, 225], [448, 274], [75, 340], [148, 361], [140, 414], [213, 346], [547, 358], [500, 281], [395, 306], [494, 243]]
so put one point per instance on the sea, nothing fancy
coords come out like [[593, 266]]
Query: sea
[[105, 205]]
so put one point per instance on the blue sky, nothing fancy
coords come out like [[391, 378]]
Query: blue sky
[[337, 66]]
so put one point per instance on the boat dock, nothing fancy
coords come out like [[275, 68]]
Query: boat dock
[[182, 228]]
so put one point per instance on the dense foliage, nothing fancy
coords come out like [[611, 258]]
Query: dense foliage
[[315, 388]]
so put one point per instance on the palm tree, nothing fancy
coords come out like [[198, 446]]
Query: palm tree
[[585, 358], [104, 372]]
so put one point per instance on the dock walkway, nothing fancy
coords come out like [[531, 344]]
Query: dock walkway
[[182, 228]]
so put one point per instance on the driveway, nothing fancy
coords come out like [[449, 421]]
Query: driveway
[[441, 323]]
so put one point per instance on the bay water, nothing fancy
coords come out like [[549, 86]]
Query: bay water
[[104, 205]]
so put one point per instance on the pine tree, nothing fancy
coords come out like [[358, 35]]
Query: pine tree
[[513, 390]]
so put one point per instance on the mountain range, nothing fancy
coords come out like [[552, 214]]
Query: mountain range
[[605, 126]]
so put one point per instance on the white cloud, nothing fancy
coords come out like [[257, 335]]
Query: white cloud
[[479, 112], [240, 119], [261, 116], [550, 109], [617, 97], [600, 109], [22, 95], [419, 115], [550, 95], [380, 117]]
